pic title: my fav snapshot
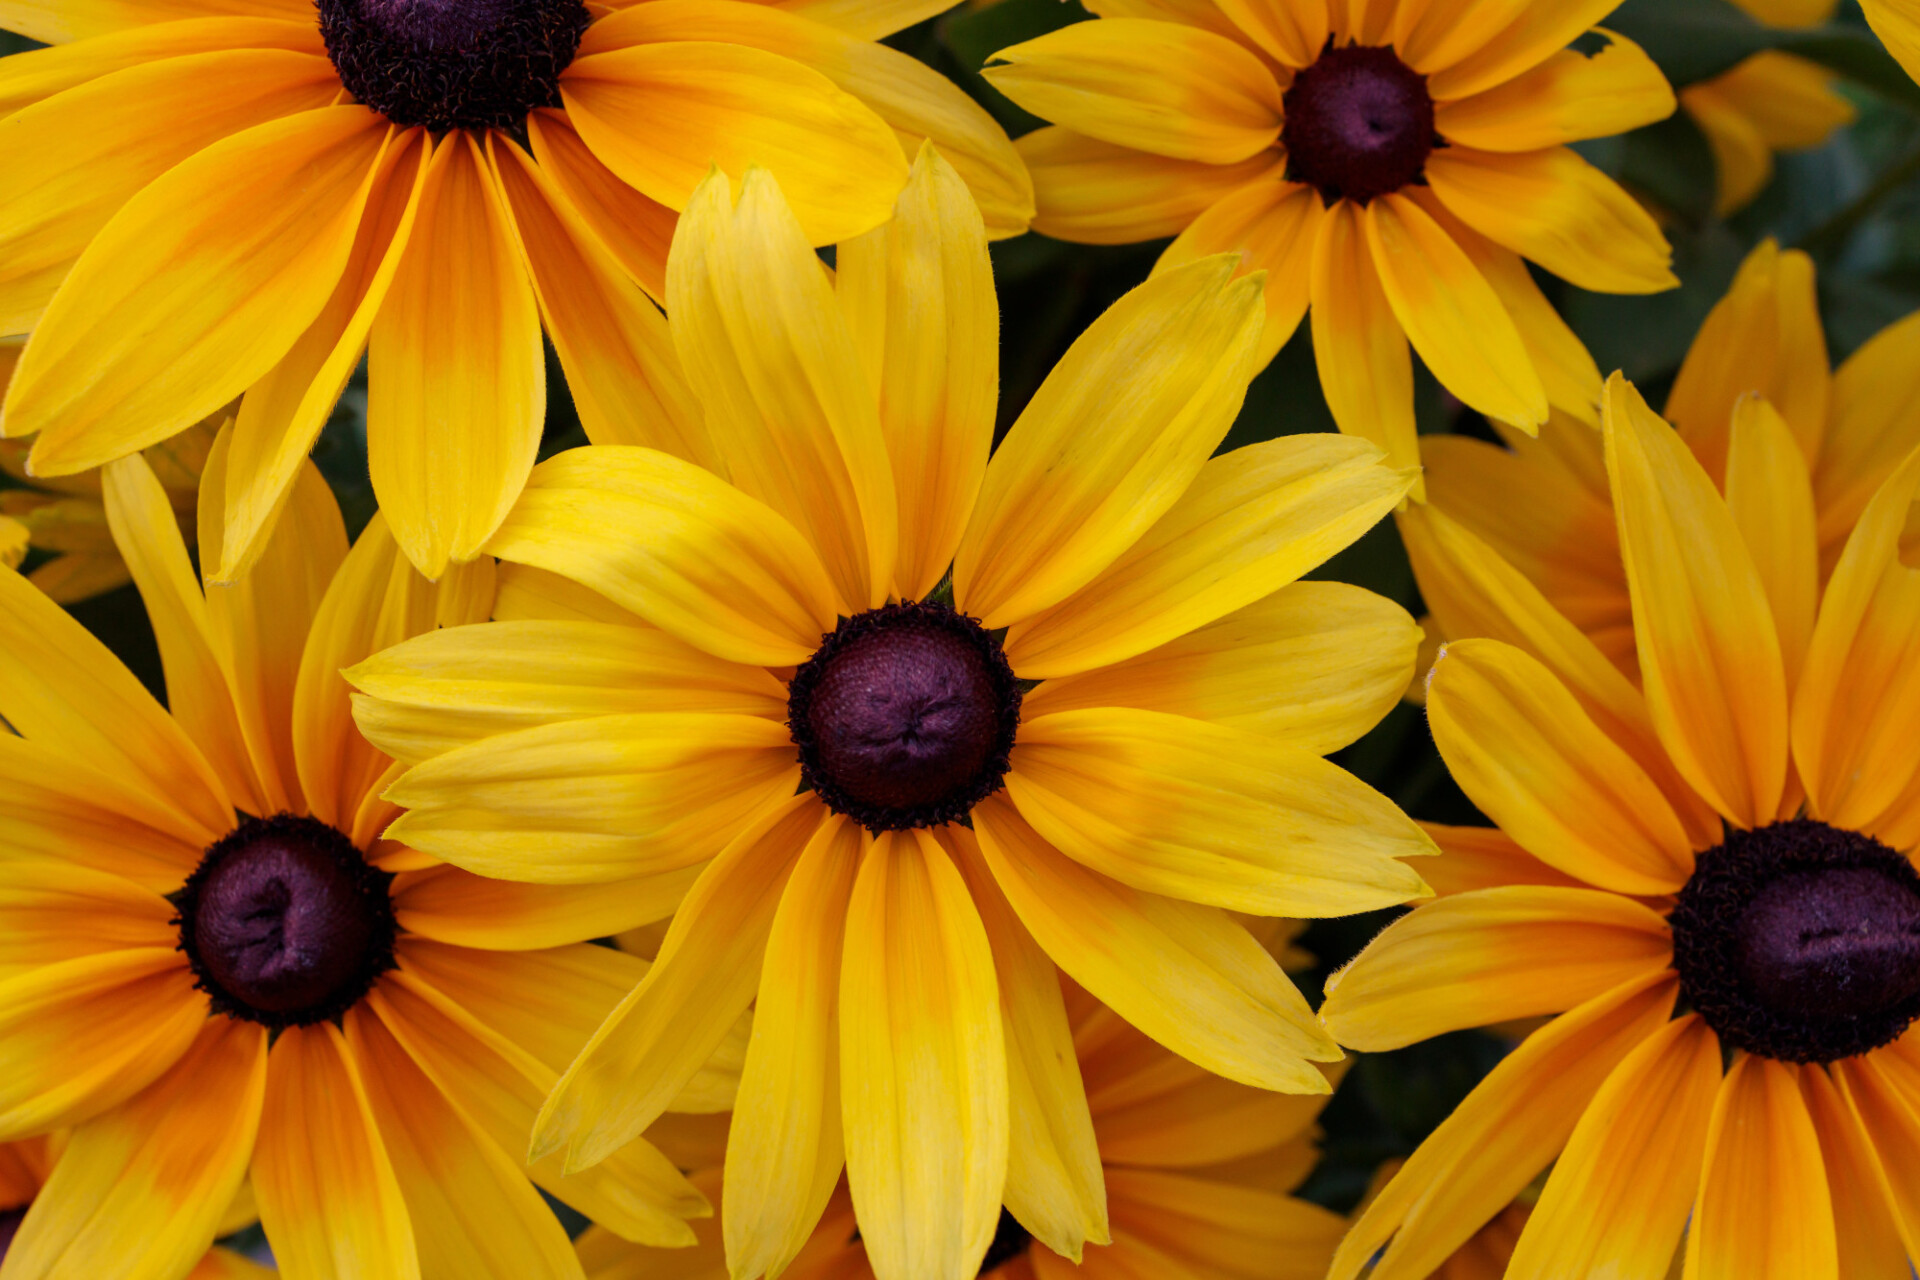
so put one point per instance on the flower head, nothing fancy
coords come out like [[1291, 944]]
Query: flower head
[[1059, 702]]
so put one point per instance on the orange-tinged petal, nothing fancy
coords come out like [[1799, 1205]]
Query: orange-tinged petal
[[1160, 87], [1532, 34], [1200, 1226], [721, 570], [281, 415], [706, 974], [919, 301], [56, 808], [1771, 497], [784, 1148], [1874, 394], [31, 77], [58, 21], [1512, 1124], [1864, 1225], [1292, 33], [768, 351], [838, 162], [140, 1191], [456, 380], [1621, 1191], [1111, 440], [1099, 193], [53, 910], [329, 1198], [1492, 955], [1366, 368], [1764, 1210], [1533, 760], [1709, 650], [1252, 521], [1793, 103], [637, 231], [1189, 976], [1570, 96], [447, 904], [195, 289], [1742, 160], [1274, 227], [1484, 858], [923, 1086], [1555, 209]]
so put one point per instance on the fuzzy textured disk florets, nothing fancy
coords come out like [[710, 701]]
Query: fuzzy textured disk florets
[[1359, 124]]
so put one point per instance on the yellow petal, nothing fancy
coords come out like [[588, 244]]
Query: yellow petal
[[770, 355], [447, 904], [526, 594], [31, 77], [1451, 314], [74, 174], [612, 341], [1202, 1227], [1864, 1224], [57, 21], [1742, 161], [784, 1148], [1366, 369], [607, 798], [1771, 497], [1273, 226], [456, 382], [1530, 35], [1253, 521], [53, 910], [1865, 439], [1212, 815], [732, 107], [1764, 1210], [1111, 440], [1292, 33], [195, 289], [1621, 1191], [919, 300], [923, 1091], [1570, 96], [1884, 1114], [1315, 665], [57, 809], [1099, 193], [281, 415], [722, 571], [1555, 209], [1793, 103], [138, 1192], [637, 231], [1709, 651], [1533, 760], [706, 974], [329, 1198], [1513, 1123], [1897, 22], [1189, 976], [1484, 858]]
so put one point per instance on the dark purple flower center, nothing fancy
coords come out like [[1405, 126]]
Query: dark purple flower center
[[285, 923], [905, 716], [10, 1221], [1801, 942], [1010, 1240], [1359, 124], [453, 64]]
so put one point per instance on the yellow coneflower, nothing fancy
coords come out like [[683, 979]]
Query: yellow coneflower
[[1541, 506], [1897, 23], [216, 197], [1711, 884], [1198, 1172], [1091, 646], [1388, 162], [212, 967], [1769, 102]]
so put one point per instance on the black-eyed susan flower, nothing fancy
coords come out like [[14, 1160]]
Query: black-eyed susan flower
[[1711, 883], [1198, 1172], [803, 684], [1769, 102], [212, 968], [216, 197], [1390, 163]]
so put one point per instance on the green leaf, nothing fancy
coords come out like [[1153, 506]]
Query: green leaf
[[976, 36], [1692, 40]]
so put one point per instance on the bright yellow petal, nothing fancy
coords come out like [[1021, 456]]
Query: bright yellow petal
[[923, 1089], [720, 570], [1213, 815], [56, 809], [773, 361], [329, 1198], [1252, 521], [58, 21], [1484, 858], [1897, 22], [1492, 955], [637, 231], [1366, 368], [1274, 227], [1742, 161], [1620, 1194], [1570, 96], [1293, 34], [195, 289], [1111, 440], [1791, 102], [918, 296], [1864, 1225], [1709, 650], [784, 1148], [31, 77], [1555, 209], [1203, 1227], [450, 905], [1764, 1210], [1189, 976], [138, 1192], [1153, 86], [1315, 665], [56, 909], [1512, 1124], [1532, 760], [456, 381], [1771, 497], [1867, 434], [1099, 193], [1531, 34], [733, 107], [526, 594]]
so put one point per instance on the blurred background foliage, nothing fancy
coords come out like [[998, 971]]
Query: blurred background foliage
[[1852, 203]]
